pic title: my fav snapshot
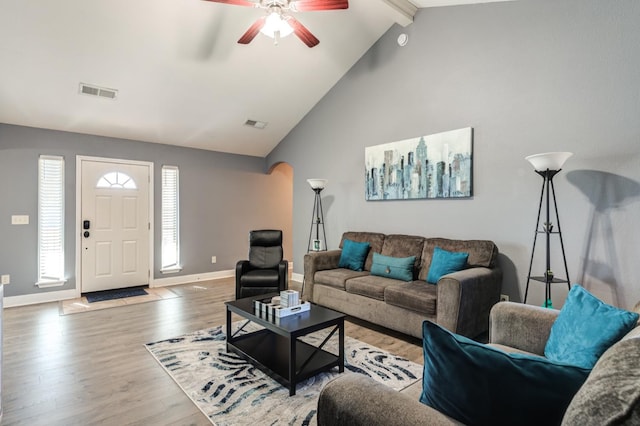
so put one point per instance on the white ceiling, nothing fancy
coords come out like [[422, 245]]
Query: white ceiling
[[181, 77]]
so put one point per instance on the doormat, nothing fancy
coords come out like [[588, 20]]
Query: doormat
[[118, 293], [75, 306], [232, 392]]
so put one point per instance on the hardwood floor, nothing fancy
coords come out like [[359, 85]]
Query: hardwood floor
[[92, 367]]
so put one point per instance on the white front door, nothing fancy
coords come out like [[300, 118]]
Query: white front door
[[115, 225]]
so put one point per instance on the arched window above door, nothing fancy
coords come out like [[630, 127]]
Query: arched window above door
[[116, 180]]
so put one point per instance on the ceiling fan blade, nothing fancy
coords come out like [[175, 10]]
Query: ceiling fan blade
[[313, 5], [302, 32], [235, 2], [253, 31]]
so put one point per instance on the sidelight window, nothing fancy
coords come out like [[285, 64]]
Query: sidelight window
[[170, 220], [50, 220]]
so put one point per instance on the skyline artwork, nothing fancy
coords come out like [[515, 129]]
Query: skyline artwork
[[425, 167]]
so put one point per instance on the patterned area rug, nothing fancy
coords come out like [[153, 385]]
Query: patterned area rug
[[231, 391]]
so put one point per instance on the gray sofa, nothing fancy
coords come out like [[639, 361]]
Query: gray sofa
[[460, 301], [610, 395]]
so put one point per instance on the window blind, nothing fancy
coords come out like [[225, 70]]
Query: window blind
[[170, 223], [50, 219]]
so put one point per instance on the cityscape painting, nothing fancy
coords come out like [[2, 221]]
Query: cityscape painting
[[434, 166]]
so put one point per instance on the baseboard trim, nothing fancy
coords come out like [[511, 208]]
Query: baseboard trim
[[186, 279], [56, 296], [34, 299]]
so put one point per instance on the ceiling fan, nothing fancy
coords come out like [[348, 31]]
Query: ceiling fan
[[277, 21]]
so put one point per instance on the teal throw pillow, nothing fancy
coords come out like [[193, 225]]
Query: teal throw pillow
[[480, 385], [585, 328], [353, 255], [400, 268], [445, 262]]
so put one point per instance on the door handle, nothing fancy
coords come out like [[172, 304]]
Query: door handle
[[86, 234]]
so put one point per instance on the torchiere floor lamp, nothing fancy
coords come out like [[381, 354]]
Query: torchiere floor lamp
[[547, 165], [317, 219]]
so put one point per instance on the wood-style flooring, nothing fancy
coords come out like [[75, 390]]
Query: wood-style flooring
[[92, 367]]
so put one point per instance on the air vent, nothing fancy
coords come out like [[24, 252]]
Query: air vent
[[256, 124], [102, 92]]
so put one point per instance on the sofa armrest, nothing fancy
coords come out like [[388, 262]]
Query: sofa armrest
[[317, 261], [355, 399], [519, 326], [465, 299]]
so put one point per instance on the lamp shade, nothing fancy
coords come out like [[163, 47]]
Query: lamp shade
[[548, 160], [317, 183], [276, 24]]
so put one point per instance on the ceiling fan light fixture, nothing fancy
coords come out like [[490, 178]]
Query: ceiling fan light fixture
[[276, 27]]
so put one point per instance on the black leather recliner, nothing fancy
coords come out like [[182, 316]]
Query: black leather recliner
[[266, 270]]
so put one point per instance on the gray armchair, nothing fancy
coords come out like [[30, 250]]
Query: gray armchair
[[265, 271]]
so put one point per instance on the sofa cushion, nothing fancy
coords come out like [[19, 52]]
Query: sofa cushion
[[481, 252], [336, 277], [397, 245], [353, 255], [445, 262], [611, 394], [480, 385], [399, 268], [371, 286], [374, 239], [417, 296], [585, 328]]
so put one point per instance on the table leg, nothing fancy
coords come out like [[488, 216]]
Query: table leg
[[228, 327], [292, 366], [341, 346]]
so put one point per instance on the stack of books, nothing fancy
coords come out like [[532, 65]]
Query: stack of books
[[289, 298]]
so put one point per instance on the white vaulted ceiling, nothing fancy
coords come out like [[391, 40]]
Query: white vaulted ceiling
[[180, 75]]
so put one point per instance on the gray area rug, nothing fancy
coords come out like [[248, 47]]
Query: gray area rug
[[231, 391]]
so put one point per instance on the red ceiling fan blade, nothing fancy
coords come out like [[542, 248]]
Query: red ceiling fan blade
[[253, 31], [235, 2], [313, 5], [302, 32]]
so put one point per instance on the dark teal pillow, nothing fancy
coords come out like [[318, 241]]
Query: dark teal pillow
[[400, 268], [480, 385], [353, 255], [445, 262], [585, 328]]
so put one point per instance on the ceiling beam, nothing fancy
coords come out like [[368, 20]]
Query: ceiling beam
[[404, 11]]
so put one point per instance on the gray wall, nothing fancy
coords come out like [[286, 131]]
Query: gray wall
[[219, 194], [529, 77]]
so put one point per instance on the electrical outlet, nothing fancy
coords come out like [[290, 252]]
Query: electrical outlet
[[504, 298], [5, 279], [213, 259]]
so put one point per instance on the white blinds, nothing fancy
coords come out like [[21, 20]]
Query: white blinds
[[50, 218], [170, 224]]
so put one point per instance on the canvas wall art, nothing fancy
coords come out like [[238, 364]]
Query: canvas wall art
[[433, 166]]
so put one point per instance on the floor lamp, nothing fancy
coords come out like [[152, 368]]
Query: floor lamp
[[317, 219], [547, 165]]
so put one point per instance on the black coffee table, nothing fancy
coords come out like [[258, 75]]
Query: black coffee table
[[276, 350]]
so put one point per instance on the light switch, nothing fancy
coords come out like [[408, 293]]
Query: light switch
[[20, 219]]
